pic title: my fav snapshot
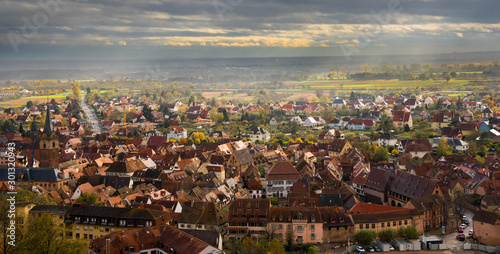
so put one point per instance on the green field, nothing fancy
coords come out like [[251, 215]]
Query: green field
[[377, 84]]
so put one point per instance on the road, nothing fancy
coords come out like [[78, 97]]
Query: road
[[95, 125]]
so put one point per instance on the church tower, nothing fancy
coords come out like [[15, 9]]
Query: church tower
[[49, 144]]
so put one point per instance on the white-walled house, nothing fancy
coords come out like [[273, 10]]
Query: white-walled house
[[310, 122], [177, 133]]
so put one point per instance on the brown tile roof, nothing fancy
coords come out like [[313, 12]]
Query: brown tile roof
[[410, 185], [486, 217], [282, 170], [365, 208]]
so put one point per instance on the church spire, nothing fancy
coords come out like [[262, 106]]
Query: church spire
[[48, 122]]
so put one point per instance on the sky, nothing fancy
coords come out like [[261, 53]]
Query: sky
[[244, 28]]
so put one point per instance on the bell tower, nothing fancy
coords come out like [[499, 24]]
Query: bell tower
[[49, 144]]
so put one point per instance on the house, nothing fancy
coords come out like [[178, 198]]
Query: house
[[404, 187], [310, 122], [486, 227], [50, 179], [239, 161], [275, 121], [202, 216], [458, 145], [430, 212], [451, 132], [280, 179], [296, 119], [330, 135], [338, 103], [337, 225], [376, 184], [481, 126], [360, 124], [467, 129], [260, 134], [402, 118], [248, 217], [387, 139], [487, 113], [379, 217], [443, 119], [412, 103], [467, 116], [428, 101], [305, 222], [337, 123], [177, 133], [158, 239]]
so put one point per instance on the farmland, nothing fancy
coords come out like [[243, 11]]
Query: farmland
[[378, 84], [35, 99]]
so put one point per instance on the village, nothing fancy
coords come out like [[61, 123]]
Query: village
[[327, 181]]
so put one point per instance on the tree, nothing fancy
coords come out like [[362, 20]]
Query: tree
[[294, 127], [387, 235], [365, 237], [43, 235], [274, 246], [147, 113], [395, 152], [408, 232], [29, 104], [275, 201], [197, 141], [407, 128], [380, 154], [312, 250], [443, 148], [289, 238], [89, 199], [447, 77]]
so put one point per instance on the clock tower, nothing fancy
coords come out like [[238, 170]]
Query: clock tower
[[49, 144]]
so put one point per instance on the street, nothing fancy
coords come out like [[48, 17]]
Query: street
[[95, 125]]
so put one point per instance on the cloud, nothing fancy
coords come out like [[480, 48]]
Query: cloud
[[460, 35]]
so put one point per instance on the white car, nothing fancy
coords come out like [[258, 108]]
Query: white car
[[471, 232], [360, 248], [463, 225], [391, 248]]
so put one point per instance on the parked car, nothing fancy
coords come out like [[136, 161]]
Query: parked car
[[466, 221], [463, 226], [460, 230], [461, 237], [360, 248], [390, 247], [370, 249], [471, 232], [376, 248]]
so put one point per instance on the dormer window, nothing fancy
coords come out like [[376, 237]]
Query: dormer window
[[313, 219]]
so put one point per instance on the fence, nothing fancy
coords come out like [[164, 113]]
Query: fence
[[480, 247], [438, 246]]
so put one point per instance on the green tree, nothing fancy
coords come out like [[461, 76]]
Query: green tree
[[275, 201], [408, 232], [312, 250], [365, 237], [380, 154], [197, 141], [443, 148], [274, 246], [407, 128], [44, 236], [147, 113], [289, 238], [387, 235], [29, 104], [89, 199]]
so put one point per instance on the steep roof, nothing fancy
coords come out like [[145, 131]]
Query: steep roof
[[410, 185], [243, 156], [378, 178], [485, 216], [282, 170]]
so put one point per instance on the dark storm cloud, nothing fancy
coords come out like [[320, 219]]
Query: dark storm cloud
[[261, 23]]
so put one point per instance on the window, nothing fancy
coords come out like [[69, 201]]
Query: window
[[400, 223], [382, 225], [311, 227], [280, 227], [388, 224], [77, 235], [93, 220], [122, 223], [300, 228], [106, 229], [367, 226], [85, 236], [104, 221], [85, 228], [373, 225], [406, 222], [149, 223], [312, 236], [394, 223], [288, 227], [361, 226], [77, 227]]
